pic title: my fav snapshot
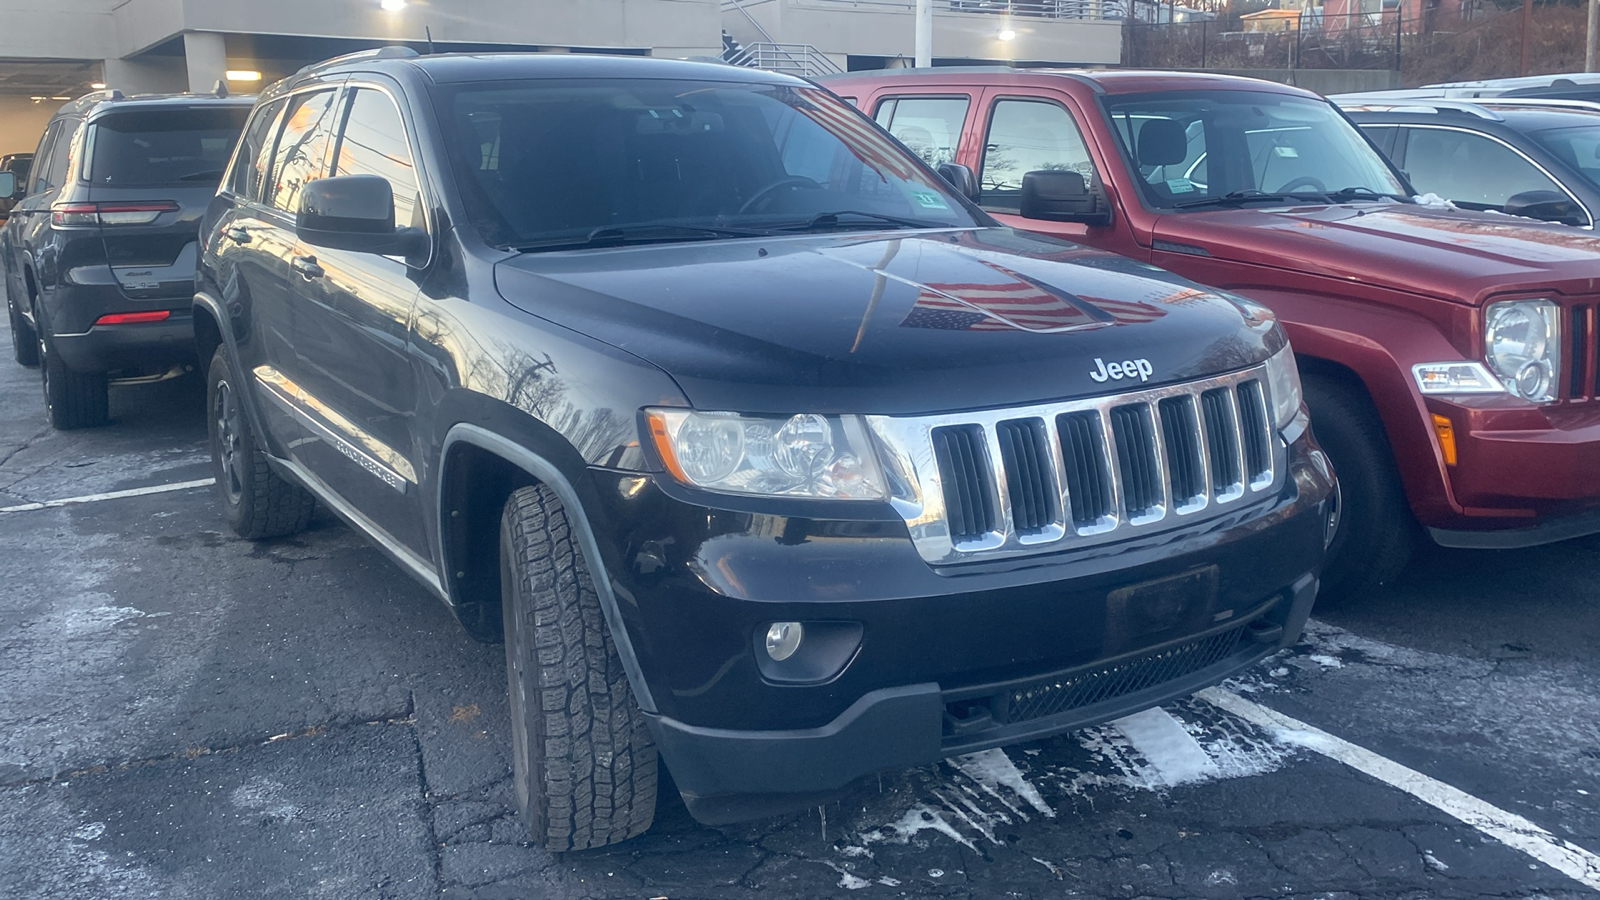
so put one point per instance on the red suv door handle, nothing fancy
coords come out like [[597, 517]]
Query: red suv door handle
[[307, 266]]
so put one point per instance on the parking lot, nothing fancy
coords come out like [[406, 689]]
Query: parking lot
[[187, 715]]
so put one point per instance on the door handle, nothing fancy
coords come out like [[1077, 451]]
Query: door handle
[[238, 235], [307, 266]]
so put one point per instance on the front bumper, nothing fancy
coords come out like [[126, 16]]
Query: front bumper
[[945, 656], [1523, 470]]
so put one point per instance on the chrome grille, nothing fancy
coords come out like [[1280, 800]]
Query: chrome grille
[[1048, 477]]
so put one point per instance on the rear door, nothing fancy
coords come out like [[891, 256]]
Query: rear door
[[352, 321], [271, 273], [38, 251], [15, 235], [151, 170]]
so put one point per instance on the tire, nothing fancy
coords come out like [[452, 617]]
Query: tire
[[584, 761], [24, 343], [258, 503], [1375, 532], [73, 399]]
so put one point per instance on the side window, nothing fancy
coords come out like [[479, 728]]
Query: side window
[[301, 153], [1028, 136], [929, 126], [1383, 136], [61, 155], [41, 158], [249, 166], [1469, 169], [374, 143]]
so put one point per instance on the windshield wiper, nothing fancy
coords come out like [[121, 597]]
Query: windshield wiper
[[1247, 196], [203, 176], [1364, 193], [641, 233], [829, 220]]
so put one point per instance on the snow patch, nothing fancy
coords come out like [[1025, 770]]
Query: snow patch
[[1173, 755], [993, 769], [921, 817]]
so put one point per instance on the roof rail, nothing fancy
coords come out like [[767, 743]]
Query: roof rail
[[1542, 103], [393, 51], [1418, 105]]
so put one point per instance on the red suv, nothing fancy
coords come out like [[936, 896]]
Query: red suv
[[1451, 359]]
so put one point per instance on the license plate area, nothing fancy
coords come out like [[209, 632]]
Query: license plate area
[[1162, 609]]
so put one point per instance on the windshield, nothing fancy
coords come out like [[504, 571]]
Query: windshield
[[547, 164], [1196, 146], [1579, 147], [165, 146]]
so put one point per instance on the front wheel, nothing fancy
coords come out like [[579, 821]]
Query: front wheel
[[73, 399], [584, 761], [257, 501], [1373, 531]]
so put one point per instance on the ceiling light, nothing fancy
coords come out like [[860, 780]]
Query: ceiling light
[[98, 86], [243, 75], [392, 5], [1006, 34], [61, 98]]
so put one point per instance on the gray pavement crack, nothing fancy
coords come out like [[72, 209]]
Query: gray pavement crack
[[408, 718], [435, 855], [28, 442]]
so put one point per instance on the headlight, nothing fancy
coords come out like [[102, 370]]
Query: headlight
[[1456, 378], [825, 457], [1522, 344], [1283, 379]]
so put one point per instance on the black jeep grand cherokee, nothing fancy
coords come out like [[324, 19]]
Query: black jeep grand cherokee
[[767, 449], [98, 255]]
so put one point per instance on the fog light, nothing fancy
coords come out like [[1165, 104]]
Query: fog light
[[783, 639]]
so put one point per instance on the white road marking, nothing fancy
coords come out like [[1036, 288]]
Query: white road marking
[[113, 495], [1169, 747], [1506, 827]]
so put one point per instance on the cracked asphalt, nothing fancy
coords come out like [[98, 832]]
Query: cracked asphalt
[[187, 715]]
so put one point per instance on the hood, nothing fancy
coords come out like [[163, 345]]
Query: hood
[[889, 323], [1456, 255]]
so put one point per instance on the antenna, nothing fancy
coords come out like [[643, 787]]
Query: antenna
[[220, 88], [429, 32]]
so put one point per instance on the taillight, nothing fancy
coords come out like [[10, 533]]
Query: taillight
[[134, 318], [74, 215], [82, 215]]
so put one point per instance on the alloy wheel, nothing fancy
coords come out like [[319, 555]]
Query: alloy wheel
[[228, 424]]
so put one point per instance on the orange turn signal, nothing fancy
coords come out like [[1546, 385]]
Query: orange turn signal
[[1447, 438], [663, 444]]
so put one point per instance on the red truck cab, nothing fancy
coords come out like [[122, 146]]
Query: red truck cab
[[1451, 359]]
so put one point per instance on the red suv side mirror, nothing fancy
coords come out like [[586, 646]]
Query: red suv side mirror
[[1063, 196]]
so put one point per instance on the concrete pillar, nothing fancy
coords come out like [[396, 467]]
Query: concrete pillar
[[206, 54], [145, 75]]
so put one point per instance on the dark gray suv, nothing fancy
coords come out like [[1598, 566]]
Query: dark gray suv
[[99, 251]]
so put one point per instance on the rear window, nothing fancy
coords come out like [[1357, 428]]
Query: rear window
[[165, 146]]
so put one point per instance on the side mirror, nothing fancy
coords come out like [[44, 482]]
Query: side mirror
[[1547, 206], [354, 212], [961, 178], [1062, 196], [8, 185]]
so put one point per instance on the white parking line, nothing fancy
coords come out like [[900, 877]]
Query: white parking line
[[113, 495], [1506, 827]]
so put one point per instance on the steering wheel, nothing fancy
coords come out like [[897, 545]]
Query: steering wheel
[[799, 181], [1306, 180]]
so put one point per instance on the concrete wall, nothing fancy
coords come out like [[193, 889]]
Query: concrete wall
[[842, 29], [1324, 81], [22, 121], [59, 29], [670, 27]]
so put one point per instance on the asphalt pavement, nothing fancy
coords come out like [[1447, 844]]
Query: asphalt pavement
[[187, 715]]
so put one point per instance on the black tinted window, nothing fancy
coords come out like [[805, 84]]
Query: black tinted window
[[164, 146], [374, 143], [40, 182], [549, 162], [250, 168], [61, 155], [302, 151], [1470, 169]]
